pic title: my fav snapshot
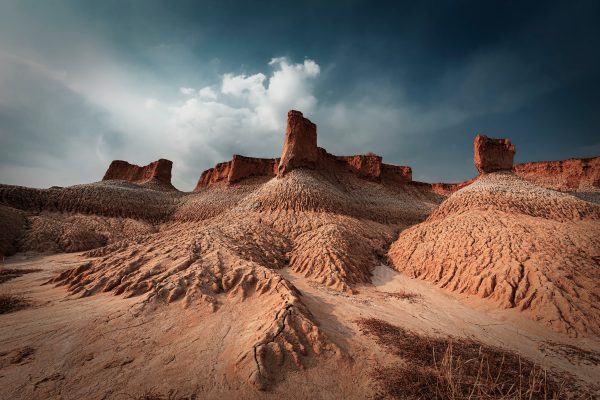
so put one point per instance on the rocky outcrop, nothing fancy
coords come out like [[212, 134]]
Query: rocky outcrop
[[239, 168], [446, 189], [576, 174], [493, 155], [396, 173], [300, 151], [122, 170], [366, 166], [300, 147]]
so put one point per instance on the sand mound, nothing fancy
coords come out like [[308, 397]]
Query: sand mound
[[205, 267], [108, 198], [65, 233], [516, 244]]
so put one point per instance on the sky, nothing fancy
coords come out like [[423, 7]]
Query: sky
[[86, 82]]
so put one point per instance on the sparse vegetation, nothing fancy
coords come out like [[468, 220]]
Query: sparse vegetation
[[7, 274], [153, 394], [450, 368], [10, 302], [402, 295]]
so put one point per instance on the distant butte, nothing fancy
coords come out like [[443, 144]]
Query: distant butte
[[300, 151], [159, 170], [493, 155]]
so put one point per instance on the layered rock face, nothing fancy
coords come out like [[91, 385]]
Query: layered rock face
[[300, 147], [493, 155], [366, 166], [239, 168], [396, 173], [300, 151], [572, 174], [122, 170]]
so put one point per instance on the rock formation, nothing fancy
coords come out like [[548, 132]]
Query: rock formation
[[300, 151], [509, 241], [568, 175], [300, 147], [122, 170], [239, 168], [493, 154]]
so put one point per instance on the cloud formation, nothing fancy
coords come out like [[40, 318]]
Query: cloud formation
[[413, 82]]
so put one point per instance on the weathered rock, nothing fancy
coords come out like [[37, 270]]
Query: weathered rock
[[573, 174], [122, 170], [493, 154], [366, 166], [239, 168], [396, 173], [300, 147]]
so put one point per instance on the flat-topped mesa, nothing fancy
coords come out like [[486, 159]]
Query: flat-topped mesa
[[300, 147], [239, 168], [159, 170], [300, 151], [573, 174], [366, 166], [493, 155]]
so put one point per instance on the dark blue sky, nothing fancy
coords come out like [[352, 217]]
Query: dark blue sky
[[83, 82]]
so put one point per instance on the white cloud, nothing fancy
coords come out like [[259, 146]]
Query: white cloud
[[207, 93], [150, 103], [249, 116], [187, 91]]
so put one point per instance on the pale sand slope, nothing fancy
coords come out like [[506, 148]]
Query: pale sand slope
[[107, 347]]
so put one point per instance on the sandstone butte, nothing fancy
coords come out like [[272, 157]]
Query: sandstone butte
[[262, 276], [300, 151], [159, 171]]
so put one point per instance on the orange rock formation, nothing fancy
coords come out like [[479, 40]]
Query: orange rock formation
[[122, 170], [572, 174], [493, 154]]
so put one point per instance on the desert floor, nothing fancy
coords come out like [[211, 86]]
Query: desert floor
[[106, 346]]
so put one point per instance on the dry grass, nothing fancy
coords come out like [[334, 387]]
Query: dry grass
[[402, 295], [449, 368], [153, 394], [7, 274], [10, 302]]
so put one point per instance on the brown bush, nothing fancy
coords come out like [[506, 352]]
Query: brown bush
[[7, 274], [10, 302], [451, 368]]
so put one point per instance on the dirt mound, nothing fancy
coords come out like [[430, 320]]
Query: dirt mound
[[65, 233], [108, 198], [12, 227], [519, 245], [206, 267]]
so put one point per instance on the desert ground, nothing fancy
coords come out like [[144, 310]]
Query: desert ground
[[309, 276]]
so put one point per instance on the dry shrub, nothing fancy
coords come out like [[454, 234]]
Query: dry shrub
[[153, 394], [10, 302], [402, 295], [450, 368], [7, 274]]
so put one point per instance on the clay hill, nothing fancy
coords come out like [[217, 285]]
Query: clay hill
[[309, 275]]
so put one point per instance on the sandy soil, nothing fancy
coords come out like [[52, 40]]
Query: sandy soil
[[109, 347]]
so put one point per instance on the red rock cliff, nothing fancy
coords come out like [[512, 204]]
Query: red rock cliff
[[573, 174], [240, 167], [493, 154], [300, 150], [300, 147], [158, 170], [366, 166]]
